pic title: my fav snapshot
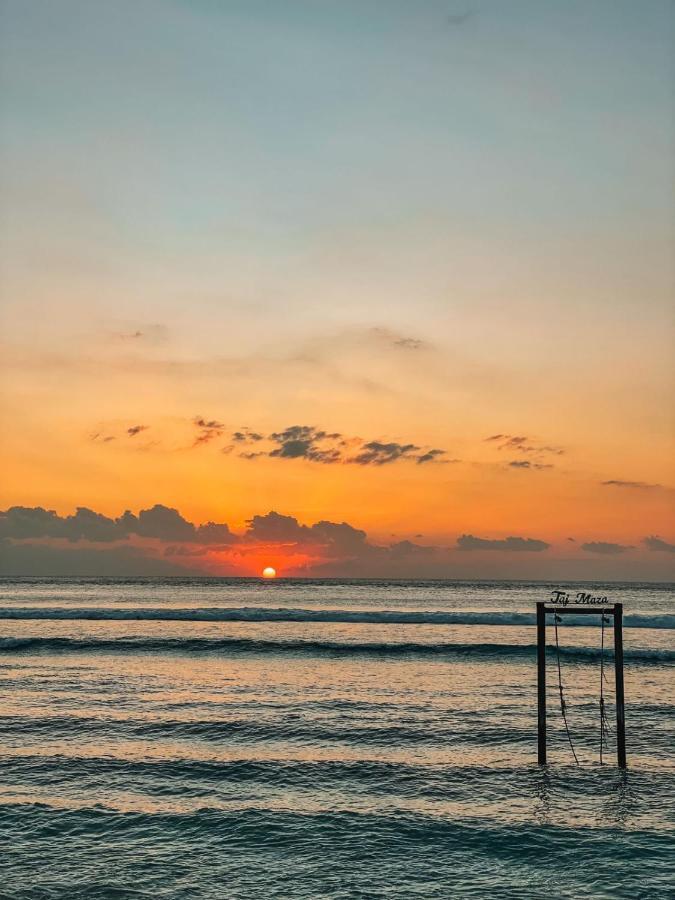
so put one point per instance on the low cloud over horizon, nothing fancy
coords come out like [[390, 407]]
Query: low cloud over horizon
[[160, 540], [509, 544]]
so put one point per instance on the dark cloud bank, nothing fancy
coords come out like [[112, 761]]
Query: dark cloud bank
[[160, 541], [160, 522]]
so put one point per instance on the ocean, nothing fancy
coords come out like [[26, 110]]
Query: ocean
[[220, 738]]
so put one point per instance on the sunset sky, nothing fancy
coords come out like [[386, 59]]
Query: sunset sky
[[406, 268]]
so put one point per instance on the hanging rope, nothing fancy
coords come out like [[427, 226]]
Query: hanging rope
[[604, 721], [563, 705]]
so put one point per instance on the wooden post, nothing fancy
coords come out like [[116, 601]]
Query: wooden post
[[618, 673], [541, 683]]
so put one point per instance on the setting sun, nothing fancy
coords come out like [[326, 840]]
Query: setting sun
[[269, 572]]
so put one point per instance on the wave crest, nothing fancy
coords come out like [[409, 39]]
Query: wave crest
[[296, 614], [226, 646]]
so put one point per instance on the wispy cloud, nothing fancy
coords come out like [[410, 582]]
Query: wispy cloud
[[456, 20], [398, 341], [528, 464], [209, 430], [377, 453], [637, 485], [523, 444], [150, 333]]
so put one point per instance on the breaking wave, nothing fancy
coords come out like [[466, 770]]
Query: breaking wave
[[226, 646], [294, 614]]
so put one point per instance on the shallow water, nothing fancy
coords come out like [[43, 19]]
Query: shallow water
[[215, 739]]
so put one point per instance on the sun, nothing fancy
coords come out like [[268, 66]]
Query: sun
[[269, 572]]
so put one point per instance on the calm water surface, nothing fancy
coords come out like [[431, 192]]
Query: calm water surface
[[206, 738]]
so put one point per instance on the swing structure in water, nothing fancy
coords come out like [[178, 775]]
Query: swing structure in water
[[558, 611]]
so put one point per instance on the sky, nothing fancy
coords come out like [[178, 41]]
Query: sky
[[377, 289]]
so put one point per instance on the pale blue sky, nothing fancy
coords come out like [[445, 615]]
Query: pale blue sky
[[345, 147]]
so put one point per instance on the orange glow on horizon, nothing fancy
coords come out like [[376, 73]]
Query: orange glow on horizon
[[269, 572]]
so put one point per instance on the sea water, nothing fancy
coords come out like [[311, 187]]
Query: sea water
[[212, 738]]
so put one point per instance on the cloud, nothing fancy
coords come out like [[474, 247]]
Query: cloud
[[144, 334], [160, 540], [510, 544], [400, 341], [159, 522], [91, 525], [276, 528], [300, 442], [376, 453], [190, 551], [605, 548], [307, 442], [528, 464], [332, 448], [207, 423], [47, 560], [409, 343], [407, 549], [136, 429], [332, 540], [456, 20], [341, 539], [167, 524], [333, 547], [508, 441], [523, 444], [215, 533], [209, 429], [246, 435], [22, 522], [656, 543], [639, 485], [433, 456]]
